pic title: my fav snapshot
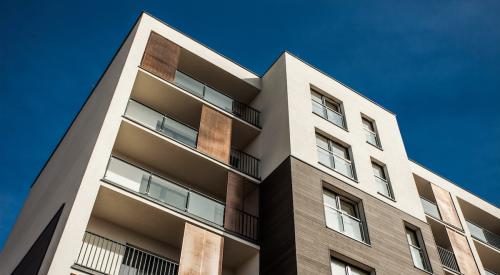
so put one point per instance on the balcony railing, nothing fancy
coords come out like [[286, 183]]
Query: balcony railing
[[217, 98], [430, 208], [371, 137], [484, 235], [328, 113], [185, 134], [244, 163], [164, 125], [176, 196], [335, 162], [105, 256], [448, 259]]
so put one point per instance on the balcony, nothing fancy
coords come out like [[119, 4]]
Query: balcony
[[430, 208], [179, 198], [185, 134], [335, 162], [484, 235], [448, 259], [217, 98], [105, 256], [328, 114]]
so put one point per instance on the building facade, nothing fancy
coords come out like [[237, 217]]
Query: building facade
[[183, 162]]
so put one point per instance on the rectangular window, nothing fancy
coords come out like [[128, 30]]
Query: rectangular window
[[417, 249], [334, 156], [342, 215], [341, 268], [370, 132], [328, 109], [383, 185]]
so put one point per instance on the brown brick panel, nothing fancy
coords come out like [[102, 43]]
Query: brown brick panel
[[161, 57], [214, 136]]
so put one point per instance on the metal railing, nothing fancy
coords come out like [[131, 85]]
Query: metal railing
[[109, 257], [162, 124], [242, 223], [174, 195], [328, 113], [448, 259], [185, 134], [484, 235], [430, 208], [244, 162], [371, 137], [217, 98], [335, 162]]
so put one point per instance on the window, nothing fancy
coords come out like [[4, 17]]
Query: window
[[334, 156], [341, 268], [328, 109], [417, 250], [370, 132], [383, 185], [342, 215]]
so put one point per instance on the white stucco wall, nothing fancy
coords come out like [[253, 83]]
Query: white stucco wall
[[300, 77]]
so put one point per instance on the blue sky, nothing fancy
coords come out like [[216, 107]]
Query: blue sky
[[436, 64]]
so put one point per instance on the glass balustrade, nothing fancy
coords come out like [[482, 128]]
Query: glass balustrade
[[344, 223], [329, 114], [371, 137], [217, 98], [383, 187], [430, 208], [484, 235], [335, 162]]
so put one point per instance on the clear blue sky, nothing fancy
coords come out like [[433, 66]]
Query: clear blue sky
[[436, 64]]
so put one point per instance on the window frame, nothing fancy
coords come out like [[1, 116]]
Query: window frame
[[373, 125], [427, 267], [324, 99], [386, 179], [348, 266], [330, 142], [338, 208]]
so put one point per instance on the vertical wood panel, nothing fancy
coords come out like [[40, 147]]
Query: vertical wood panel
[[234, 200], [214, 136], [463, 253], [201, 252], [446, 206], [161, 57]]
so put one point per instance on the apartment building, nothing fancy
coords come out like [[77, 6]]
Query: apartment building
[[184, 162]]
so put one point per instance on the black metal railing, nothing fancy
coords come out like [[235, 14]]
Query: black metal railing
[[177, 197], [484, 235], [105, 256], [217, 98], [448, 259], [244, 162], [242, 223]]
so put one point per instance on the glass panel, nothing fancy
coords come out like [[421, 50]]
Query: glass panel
[[416, 255], [188, 84], [367, 124], [332, 105], [326, 158], [218, 99], [378, 170], [430, 208], [329, 199], [338, 267], [348, 208], [477, 232], [339, 150], [318, 108], [333, 219], [322, 142], [126, 175], [144, 115], [352, 228], [356, 271], [316, 97], [411, 236], [180, 132], [383, 187], [205, 208], [168, 192], [371, 138], [343, 167], [335, 118]]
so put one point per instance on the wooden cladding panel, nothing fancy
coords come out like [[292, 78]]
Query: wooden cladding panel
[[214, 136], [463, 253], [235, 197], [161, 57], [446, 206], [201, 252]]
